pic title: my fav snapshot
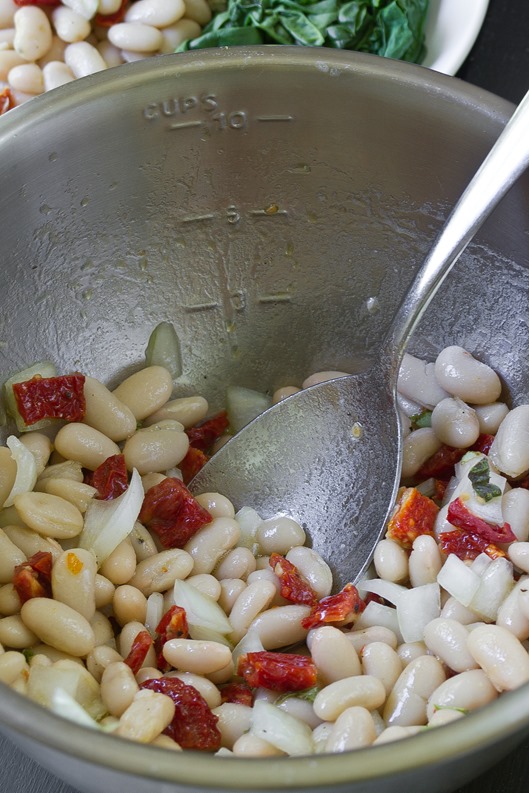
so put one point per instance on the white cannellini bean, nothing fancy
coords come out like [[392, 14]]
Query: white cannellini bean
[[284, 392], [8, 9], [8, 60], [425, 561], [512, 612], [76, 493], [83, 59], [491, 416], [313, 568], [334, 656], [361, 690], [230, 589], [40, 447], [211, 542], [352, 729], [73, 580], [12, 664], [33, 34], [455, 423], [58, 625], [252, 601], [382, 661], [105, 412], [468, 690], [82, 443], [417, 448], [391, 561], [129, 604], [50, 516], [409, 651], [118, 687], [248, 745], [103, 630], [55, 52], [10, 557], [459, 373], [322, 377], [406, 703], [216, 504], [376, 633], [30, 542], [158, 573], [519, 555], [155, 449], [280, 626], [199, 657], [441, 717], [207, 584], [501, 655], [99, 658], [300, 709], [69, 25], [107, 7], [159, 13], [146, 391], [205, 687], [238, 563], [15, 634], [447, 639], [510, 449], [279, 535], [199, 10], [417, 382], [135, 37], [146, 717], [9, 600], [397, 733], [120, 565], [110, 54], [234, 720], [187, 410], [453, 609], [515, 509]]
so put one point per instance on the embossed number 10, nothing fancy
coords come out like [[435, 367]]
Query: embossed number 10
[[237, 119]]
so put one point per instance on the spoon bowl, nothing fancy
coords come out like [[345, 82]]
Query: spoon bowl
[[330, 456]]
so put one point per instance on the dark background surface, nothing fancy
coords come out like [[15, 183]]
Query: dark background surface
[[499, 62]]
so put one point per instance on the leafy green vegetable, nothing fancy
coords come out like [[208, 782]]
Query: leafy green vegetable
[[391, 28], [422, 419], [308, 695], [479, 475]]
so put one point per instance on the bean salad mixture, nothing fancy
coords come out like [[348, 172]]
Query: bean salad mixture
[[133, 607]]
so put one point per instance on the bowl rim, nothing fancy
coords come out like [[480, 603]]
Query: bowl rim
[[497, 721]]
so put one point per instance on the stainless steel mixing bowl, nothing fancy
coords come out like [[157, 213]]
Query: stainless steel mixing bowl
[[273, 204]]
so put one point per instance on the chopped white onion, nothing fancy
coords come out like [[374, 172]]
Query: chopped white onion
[[480, 563], [85, 8], [416, 608], [26, 475], [458, 580], [282, 730], [377, 614], [163, 349], [154, 612], [495, 584], [70, 677], [245, 404], [384, 589], [201, 610], [250, 643], [107, 523], [63, 704], [201, 634]]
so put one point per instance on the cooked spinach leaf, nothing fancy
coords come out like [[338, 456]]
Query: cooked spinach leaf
[[391, 28]]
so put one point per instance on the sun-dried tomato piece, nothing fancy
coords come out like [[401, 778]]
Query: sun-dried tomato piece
[[340, 608], [441, 464], [414, 514], [293, 586], [107, 20], [194, 726], [110, 479], [138, 652], [239, 693], [278, 671], [7, 101], [37, 2], [202, 436], [170, 510], [59, 397], [467, 546], [440, 486], [32, 578], [173, 625], [462, 518], [483, 443], [194, 460]]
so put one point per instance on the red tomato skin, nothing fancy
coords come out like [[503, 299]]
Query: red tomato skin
[[32, 578], [59, 397], [171, 511], [277, 671], [202, 436], [110, 479], [138, 652], [293, 587], [338, 608]]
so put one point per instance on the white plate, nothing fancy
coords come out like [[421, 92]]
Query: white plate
[[451, 30]]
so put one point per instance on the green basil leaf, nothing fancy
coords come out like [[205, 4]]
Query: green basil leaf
[[308, 695], [422, 419], [479, 475]]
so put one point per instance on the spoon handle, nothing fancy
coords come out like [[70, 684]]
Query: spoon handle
[[506, 161]]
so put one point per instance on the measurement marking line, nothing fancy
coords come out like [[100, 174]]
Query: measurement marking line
[[200, 307], [275, 118], [197, 218], [275, 299], [268, 213], [184, 124]]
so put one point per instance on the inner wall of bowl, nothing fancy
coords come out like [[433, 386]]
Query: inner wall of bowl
[[275, 221]]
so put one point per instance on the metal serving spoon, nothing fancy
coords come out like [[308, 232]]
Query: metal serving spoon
[[330, 456]]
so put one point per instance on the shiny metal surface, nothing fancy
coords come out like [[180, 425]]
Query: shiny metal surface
[[316, 455], [274, 205]]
